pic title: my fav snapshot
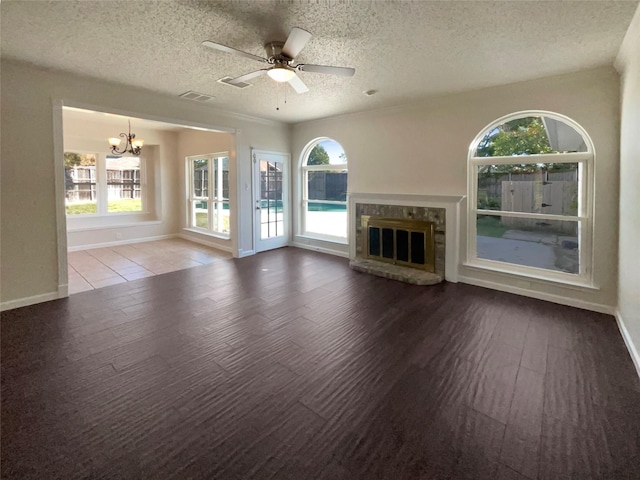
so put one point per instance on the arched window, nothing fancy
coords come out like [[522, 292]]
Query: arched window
[[324, 190], [530, 197]]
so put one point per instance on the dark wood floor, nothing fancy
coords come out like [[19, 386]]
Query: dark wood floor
[[288, 365]]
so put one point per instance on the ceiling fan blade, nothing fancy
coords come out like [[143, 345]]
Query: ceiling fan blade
[[298, 38], [248, 76], [298, 85], [224, 48], [342, 71]]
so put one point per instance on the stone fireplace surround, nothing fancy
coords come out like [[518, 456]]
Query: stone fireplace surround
[[443, 210]]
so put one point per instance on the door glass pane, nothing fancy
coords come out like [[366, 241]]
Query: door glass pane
[[548, 244], [80, 183], [201, 178], [532, 188], [271, 208], [123, 184]]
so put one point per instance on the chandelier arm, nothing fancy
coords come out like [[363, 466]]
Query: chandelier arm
[[128, 147], [115, 150]]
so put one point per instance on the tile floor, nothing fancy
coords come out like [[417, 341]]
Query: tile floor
[[101, 267]]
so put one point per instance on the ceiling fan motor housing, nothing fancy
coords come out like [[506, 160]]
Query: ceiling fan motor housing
[[274, 53]]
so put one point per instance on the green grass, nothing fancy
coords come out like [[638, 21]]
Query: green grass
[[490, 226], [81, 209], [203, 222], [125, 205]]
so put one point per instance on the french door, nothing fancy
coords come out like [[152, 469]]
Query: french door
[[271, 200]]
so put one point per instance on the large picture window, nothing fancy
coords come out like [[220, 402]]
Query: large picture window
[[100, 184], [530, 197], [208, 184], [324, 191]]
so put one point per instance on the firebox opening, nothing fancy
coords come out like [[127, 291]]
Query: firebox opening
[[401, 242]]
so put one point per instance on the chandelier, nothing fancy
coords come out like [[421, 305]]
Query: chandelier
[[133, 145]]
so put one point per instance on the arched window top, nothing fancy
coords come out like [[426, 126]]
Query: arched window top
[[324, 151], [531, 133]]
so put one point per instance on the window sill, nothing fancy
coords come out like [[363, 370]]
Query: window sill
[[220, 236], [320, 238], [106, 226], [579, 283]]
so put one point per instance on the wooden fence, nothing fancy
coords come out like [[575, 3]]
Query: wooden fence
[[81, 184], [557, 198]]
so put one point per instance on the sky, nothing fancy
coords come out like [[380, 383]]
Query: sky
[[334, 149]]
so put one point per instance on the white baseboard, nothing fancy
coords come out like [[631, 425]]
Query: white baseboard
[[26, 301], [571, 302], [224, 248], [115, 243], [245, 253], [316, 248], [633, 351]]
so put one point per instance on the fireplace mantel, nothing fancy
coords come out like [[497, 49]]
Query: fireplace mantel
[[452, 204]]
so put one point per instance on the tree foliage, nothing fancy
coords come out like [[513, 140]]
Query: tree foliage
[[519, 137], [318, 156], [523, 136], [77, 159]]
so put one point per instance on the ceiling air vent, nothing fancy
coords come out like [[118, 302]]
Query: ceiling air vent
[[225, 80], [197, 97]]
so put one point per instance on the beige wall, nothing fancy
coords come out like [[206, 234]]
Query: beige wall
[[629, 267], [422, 150], [29, 240]]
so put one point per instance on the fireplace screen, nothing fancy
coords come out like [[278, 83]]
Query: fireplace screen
[[400, 241]]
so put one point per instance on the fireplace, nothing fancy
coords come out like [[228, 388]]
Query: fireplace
[[399, 241]]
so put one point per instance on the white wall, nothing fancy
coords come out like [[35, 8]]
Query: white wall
[[422, 150], [629, 266], [193, 142], [30, 249]]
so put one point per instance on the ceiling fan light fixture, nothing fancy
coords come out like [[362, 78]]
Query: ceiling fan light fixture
[[281, 73]]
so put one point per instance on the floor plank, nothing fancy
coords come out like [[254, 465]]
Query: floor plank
[[289, 365]]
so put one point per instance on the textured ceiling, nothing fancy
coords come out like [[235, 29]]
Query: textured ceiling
[[405, 50]]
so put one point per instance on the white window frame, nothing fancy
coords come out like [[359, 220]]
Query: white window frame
[[304, 200], [584, 217], [102, 188], [213, 203]]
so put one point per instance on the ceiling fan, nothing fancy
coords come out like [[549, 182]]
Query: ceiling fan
[[280, 57]]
